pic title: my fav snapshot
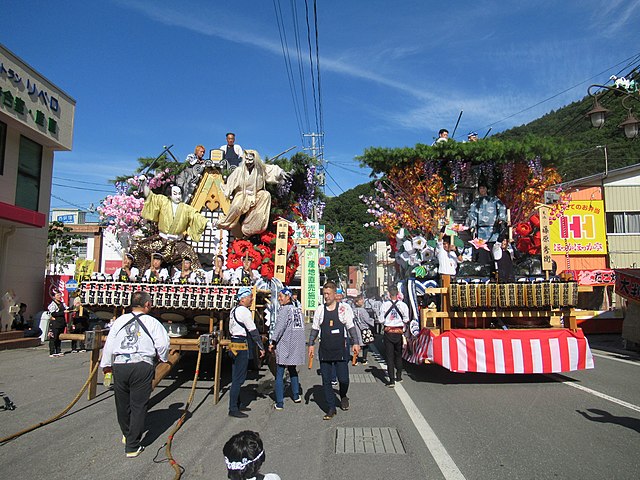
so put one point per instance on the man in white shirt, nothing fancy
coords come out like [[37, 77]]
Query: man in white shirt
[[447, 258], [232, 152], [394, 315], [134, 343], [241, 326], [126, 273]]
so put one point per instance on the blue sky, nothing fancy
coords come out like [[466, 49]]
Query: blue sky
[[151, 73]]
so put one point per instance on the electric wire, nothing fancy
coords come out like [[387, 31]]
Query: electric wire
[[313, 82], [334, 181], [315, 20], [82, 188], [78, 181], [68, 202], [296, 32]]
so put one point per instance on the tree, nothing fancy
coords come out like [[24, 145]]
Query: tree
[[63, 246]]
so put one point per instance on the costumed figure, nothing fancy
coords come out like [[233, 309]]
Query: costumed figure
[[188, 178], [487, 218], [185, 274], [219, 275], [503, 256], [126, 273], [175, 219], [250, 205]]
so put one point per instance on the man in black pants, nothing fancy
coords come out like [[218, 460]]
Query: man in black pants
[[134, 343], [394, 314]]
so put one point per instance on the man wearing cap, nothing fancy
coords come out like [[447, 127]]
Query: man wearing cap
[[330, 322], [288, 340], [135, 341], [126, 273], [241, 327], [155, 273], [472, 136]]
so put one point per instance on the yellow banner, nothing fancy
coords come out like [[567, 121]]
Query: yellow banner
[[282, 235], [580, 229], [84, 269]]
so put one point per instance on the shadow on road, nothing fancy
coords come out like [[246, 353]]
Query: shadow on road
[[436, 374], [603, 416], [160, 421]]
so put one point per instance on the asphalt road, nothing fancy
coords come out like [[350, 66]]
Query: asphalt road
[[480, 426]]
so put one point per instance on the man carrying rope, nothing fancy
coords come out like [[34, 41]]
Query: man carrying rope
[[135, 341]]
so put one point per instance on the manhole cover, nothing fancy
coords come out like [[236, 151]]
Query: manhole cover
[[368, 440]]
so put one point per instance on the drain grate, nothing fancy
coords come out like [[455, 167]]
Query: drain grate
[[361, 378], [368, 440]]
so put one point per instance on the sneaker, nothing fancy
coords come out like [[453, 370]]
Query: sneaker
[[364, 362], [391, 385], [238, 414], [276, 407], [124, 440], [334, 383], [53, 355], [399, 379], [330, 414], [135, 453], [82, 351], [297, 400], [344, 403]]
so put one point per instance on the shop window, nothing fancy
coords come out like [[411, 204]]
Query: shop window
[[3, 144], [29, 169], [623, 222]]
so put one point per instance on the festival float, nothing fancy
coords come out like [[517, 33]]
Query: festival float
[[231, 226], [475, 321]]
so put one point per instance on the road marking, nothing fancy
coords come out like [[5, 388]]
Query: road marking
[[445, 463], [622, 403], [609, 357]]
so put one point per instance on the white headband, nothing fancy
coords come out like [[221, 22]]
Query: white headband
[[241, 465]]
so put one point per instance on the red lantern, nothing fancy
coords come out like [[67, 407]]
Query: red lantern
[[523, 229], [524, 244], [535, 220]]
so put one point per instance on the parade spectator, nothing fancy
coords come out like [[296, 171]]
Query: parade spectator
[[363, 322], [232, 153], [394, 314], [330, 322], [503, 256], [80, 324], [372, 306], [245, 275], [127, 272], [448, 258], [244, 455], [241, 326], [188, 178], [288, 340], [156, 272], [21, 323], [135, 342], [57, 308], [443, 136]]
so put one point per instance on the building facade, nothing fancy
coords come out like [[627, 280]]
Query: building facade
[[36, 120]]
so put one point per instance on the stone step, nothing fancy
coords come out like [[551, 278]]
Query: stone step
[[11, 335], [19, 343]]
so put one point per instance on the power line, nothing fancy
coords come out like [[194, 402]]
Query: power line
[[334, 180], [82, 188], [79, 181], [313, 82], [69, 203], [315, 20], [296, 31]]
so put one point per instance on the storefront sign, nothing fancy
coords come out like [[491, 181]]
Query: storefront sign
[[310, 279], [594, 278], [628, 283], [580, 229], [33, 101]]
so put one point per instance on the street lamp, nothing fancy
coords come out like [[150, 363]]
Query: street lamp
[[598, 113]]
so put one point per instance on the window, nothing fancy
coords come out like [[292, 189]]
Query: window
[[623, 222], [3, 144], [29, 167]]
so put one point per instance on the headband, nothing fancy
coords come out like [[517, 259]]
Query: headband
[[243, 292], [241, 465], [286, 291]]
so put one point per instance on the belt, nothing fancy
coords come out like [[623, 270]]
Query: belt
[[133, 358], [399, 330]]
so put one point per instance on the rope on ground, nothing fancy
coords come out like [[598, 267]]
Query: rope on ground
[[175, 465], [59, 415]]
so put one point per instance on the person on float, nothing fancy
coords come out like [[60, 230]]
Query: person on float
[[394, 314], [175, 219], [185, 274], [219, 275], [135, 342], [487, 218], [472, 137], [232, 153], [250, 206], [443, 136], [127, 272], [188, 178], [245, 275], [503, 255], [288, 341], [330, 322], [241, 327], [447, 256], [156, 273]]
